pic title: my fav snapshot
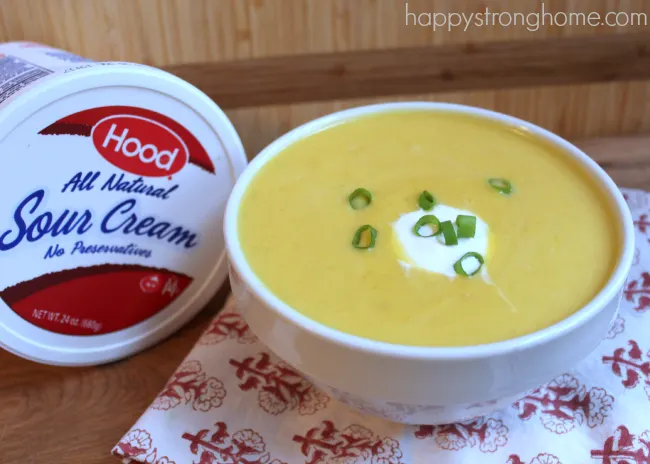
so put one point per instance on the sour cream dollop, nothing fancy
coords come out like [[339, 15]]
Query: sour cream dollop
[[430, 253]]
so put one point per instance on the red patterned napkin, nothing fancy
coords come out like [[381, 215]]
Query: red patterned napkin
[[233, 402]]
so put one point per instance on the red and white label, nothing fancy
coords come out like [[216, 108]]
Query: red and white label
[[95, 300], [139, 145], [100, 247], [114, 182]]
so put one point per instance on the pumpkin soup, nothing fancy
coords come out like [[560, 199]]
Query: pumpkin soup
[[428, 228]]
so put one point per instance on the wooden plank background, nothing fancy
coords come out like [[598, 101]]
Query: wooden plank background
[[454, 67], [181, 32]]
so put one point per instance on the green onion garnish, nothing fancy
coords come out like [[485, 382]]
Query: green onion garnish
[[426, 201], [364, 237], [503, 186], [360, 198], [429, 220], [466, 226], [460, 270], [448, 232]]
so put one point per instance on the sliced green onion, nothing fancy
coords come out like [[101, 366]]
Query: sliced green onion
[[448, 232], [364, 238], [460, 270], [503, 186], [466, 226], [426, 201], [360, 198], [428, 220]]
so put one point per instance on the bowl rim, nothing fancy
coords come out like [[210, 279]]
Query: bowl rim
[[606, 295]]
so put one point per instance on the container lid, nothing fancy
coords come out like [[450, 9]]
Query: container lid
[[113, 186]]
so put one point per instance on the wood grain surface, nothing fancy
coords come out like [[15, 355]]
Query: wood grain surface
[[162, 32], [402, 71], [75, 415], [63, 415], [212, 32], [575, 112]]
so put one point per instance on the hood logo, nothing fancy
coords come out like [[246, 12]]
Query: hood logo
[[140, 145]]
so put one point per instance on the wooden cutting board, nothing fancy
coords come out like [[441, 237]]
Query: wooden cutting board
[[75, 415]]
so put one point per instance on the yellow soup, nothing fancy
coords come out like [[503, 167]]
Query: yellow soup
[[549, 246]]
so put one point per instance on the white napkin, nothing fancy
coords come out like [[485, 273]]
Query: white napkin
[[232, 401]]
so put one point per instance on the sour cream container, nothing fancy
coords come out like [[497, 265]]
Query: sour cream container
[[113, 183]]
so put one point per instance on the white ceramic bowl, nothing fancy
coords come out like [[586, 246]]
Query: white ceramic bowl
[[423, 385]]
